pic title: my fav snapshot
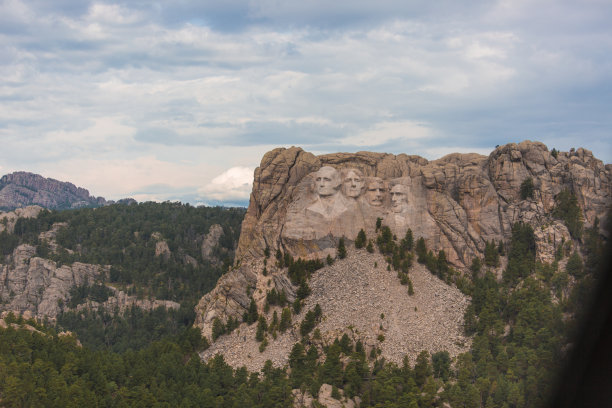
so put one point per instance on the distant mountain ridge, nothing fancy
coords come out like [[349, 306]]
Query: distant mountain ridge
[[21, 189]]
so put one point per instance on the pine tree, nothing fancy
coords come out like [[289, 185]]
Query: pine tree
[[360, 241], [421, 250], [422, 368], [341, 249], [409, 240], [527, 188], [303, 291], [218, 328], [251, 315], [308, 323], [262, 327], [574, 265], [491, 254], [285, 321], [568, 210], [555, 153]]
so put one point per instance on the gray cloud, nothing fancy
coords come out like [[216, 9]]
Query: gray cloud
[[201, 80]]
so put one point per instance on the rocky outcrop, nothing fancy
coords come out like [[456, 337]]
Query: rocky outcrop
[[39, 286], [456, 203], [36, 287], [21, 189], [229, 298], [211, 240], [120, 301], [9, 219], [302, 204], [162, 249]]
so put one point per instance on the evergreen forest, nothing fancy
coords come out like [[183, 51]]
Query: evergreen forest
[[521, 322]]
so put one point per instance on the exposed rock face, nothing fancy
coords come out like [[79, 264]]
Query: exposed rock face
[[162, 249], [21, 189], [12, 217], [211, 240], [548, 238], [36, 287], [456, 203], [302, 204], [29, 283], [121, 301], [229, 298]]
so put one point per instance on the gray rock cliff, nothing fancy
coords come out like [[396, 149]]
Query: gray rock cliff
[[302, 204], [21, 189]]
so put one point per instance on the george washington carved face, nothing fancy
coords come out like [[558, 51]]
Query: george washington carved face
[[353, 183], [376, 192], [327, 181]]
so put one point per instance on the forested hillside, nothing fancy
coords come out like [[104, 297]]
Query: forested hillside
[[154, 250], [521, 322]]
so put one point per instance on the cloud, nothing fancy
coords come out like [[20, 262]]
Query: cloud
[[164, 89], [234, 184], [120, 178], [386, 132]]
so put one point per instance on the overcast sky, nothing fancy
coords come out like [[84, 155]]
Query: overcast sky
[[180, 100]]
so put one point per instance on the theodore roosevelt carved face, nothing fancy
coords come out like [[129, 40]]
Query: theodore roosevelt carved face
[[398, 198], [376, 192], [353, 183], [327, 181]]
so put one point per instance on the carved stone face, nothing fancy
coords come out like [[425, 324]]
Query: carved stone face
[[327, 181], [353, 183], [376, 192], [398, 198]]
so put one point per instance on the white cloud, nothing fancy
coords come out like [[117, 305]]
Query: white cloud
[[120, 178], [388, 131], [112, 14], [114, 88], [234, 184]]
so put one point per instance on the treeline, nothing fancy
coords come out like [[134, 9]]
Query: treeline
[[134, 329], [44, 369]]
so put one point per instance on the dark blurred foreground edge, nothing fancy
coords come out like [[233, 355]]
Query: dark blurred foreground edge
[[586, 380]]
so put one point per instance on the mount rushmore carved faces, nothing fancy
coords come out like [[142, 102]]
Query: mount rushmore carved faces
[[329, 203], [336, 203], [399, 198], [352, 183], [327, 181], [376, 192]]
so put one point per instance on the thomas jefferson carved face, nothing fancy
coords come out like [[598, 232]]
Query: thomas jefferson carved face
[[327, 181], [399, 198], [376, 192], [353, 183]]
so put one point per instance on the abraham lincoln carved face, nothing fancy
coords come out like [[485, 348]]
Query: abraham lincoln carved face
[[399, 198]]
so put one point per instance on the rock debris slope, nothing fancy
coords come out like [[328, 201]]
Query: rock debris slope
[[364, 302], [301, 204]]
